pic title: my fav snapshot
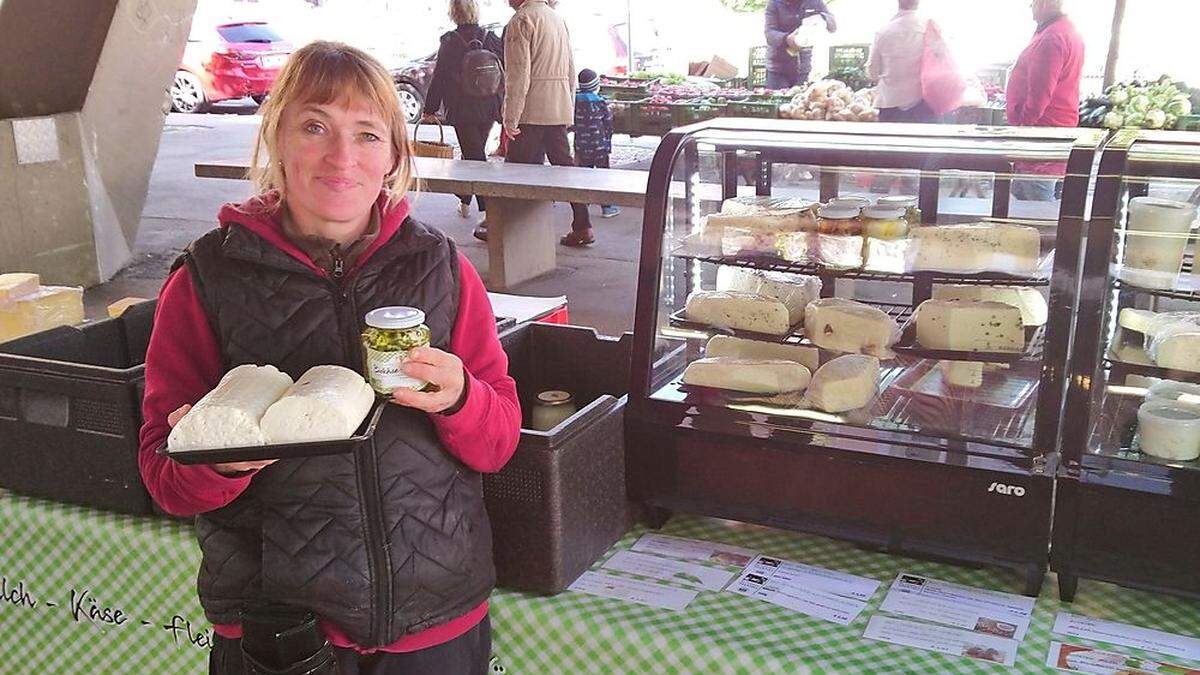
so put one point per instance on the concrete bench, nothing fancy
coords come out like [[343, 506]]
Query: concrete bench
[[522, 232]]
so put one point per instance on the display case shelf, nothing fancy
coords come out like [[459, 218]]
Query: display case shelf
[[773, 264]]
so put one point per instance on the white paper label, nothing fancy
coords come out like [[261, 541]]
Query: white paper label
[[943, 640], [385, 374], [693, 549], [1001, 614], [666, 569], [1126, 635], [632, 590]]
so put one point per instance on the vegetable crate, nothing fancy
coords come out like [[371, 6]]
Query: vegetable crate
[[652, 119], [71, 412], [756, 70], [1188, 123], [699, 110], [849, 57], [623, 114], [560, 503], [625, 87], [753, 107]]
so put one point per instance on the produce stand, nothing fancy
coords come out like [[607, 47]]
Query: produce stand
[[146, 567]]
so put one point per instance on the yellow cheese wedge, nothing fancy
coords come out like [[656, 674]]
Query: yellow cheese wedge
[[118, 308], [17, 284]]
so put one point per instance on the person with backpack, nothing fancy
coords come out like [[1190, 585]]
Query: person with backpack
[[593, 134], [468, 79]]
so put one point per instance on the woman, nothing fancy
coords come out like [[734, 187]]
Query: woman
[[472, 116], [389, 547]]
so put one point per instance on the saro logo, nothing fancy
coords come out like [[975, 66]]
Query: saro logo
[[1010, 490]]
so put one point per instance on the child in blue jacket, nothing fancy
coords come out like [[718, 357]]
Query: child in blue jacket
[[593, 130]]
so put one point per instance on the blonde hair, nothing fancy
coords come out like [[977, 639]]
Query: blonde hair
[[463, 12], [331, 72]]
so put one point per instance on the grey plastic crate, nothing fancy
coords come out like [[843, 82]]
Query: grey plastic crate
[[560, 502], [71, 411]]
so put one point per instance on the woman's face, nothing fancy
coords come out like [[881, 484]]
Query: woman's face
[[335, 157]]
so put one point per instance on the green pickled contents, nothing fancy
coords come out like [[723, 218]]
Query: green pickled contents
[[386, 350]]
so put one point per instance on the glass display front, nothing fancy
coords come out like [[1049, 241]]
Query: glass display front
[[916, 281], [1145, 392]]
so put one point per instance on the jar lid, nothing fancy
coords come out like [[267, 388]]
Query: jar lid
[[850, 200], [554, 397], [1169, 412], [883, 212], [839, 211], [898, 201], [395, 317]]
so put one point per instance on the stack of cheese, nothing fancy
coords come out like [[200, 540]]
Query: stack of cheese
[[752, 226], [28, 307], [758, 302], [977, 247], [1170, 339], [845, 383], [965, 305], [259, 405]]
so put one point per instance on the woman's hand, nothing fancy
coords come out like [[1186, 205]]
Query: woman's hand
[[512, 134], [441, 369], [229, 467]]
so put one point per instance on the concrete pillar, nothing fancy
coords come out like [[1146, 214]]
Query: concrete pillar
[[82, 87]]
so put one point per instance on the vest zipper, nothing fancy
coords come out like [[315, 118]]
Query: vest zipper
[[339, 264], [367, 472]]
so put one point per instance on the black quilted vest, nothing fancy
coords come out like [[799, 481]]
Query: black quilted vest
[[384, 542]]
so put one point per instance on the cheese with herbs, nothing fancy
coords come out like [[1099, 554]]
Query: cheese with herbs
[[755, 376], [795, 291], [970, 326], [968, 374], [740, 348], [1031, 302], [978, 247], [739, 311]]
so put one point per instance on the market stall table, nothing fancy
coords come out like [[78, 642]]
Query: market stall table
[[90, 564]]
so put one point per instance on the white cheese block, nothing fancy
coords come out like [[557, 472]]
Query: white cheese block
[[845, 383], [739, 311], [1031, 302], [840, 251], [327, 403], [1138, 320], [977, 247], [747, 375], [229, 415], [796, 247], [795, 291], [850, 327], [1169, 431], [970, 326], [739, 348], [17, 284], [1130, 353], [967, 374], [1178, 351], [45, 308], [767, 224], [757, 204]]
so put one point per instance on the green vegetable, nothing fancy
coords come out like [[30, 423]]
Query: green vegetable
[[1139, 103], [1180, 106], [1114, 120], [1118, 96], [1135, 119], [1155, 119]]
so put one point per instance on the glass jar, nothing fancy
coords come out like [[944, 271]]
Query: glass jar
[[839, 237], [886, 243], [391, 333], [857, 201], [551, 409], [912, 213]]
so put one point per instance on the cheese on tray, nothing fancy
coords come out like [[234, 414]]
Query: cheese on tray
[[970, 326], [327, 403], [739, 348], [1030, 301], [1171, 339], [851, 327], [795, 291], [968, 374], [740, 206], [14, 285], [739, 311], [845, 383], [229, 416], [763, 226], [46, 308], [753, 376], [977, 247], [1169, 431]]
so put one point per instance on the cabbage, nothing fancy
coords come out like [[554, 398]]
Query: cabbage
[[1118, 96], [1172, 120], [1114, 120], [1139, 103], [1135, 119], [1155, 119], [1180, 106]]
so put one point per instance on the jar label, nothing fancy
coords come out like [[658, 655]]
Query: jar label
[[385, 374]]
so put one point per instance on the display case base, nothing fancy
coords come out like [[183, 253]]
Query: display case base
[[1133, 538], [952, 512]]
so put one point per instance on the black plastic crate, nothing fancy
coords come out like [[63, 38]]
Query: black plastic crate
[[71, 410], [560, 503]]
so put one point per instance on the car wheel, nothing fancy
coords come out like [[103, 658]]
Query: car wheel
[[260, 98], [411, 101], [187, 93]]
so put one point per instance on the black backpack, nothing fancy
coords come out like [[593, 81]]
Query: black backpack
[[482, 70]]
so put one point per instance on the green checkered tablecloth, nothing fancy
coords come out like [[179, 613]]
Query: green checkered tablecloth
[[146, 567], [727, 633]]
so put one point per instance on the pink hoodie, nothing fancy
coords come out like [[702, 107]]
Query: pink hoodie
[[183, 362]]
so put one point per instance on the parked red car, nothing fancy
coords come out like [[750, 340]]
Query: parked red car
[[232, 60]]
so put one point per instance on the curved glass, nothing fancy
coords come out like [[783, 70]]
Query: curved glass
[[962, 278]]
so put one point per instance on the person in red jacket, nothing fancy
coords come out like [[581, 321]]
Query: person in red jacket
[[386, 551], [1043, 88]]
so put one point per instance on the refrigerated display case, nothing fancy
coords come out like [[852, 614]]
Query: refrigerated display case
[[1128, 507], [954, 454]]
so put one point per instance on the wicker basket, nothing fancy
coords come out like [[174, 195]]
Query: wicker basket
[[439, 149]]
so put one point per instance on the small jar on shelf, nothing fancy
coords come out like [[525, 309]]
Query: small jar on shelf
[[885, 244], [908, 203], [839, 237]]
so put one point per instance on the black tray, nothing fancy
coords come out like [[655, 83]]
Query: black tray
[[281, 450], [679, 320]]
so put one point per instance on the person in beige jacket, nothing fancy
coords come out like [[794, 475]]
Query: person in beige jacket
[[539, 95]]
